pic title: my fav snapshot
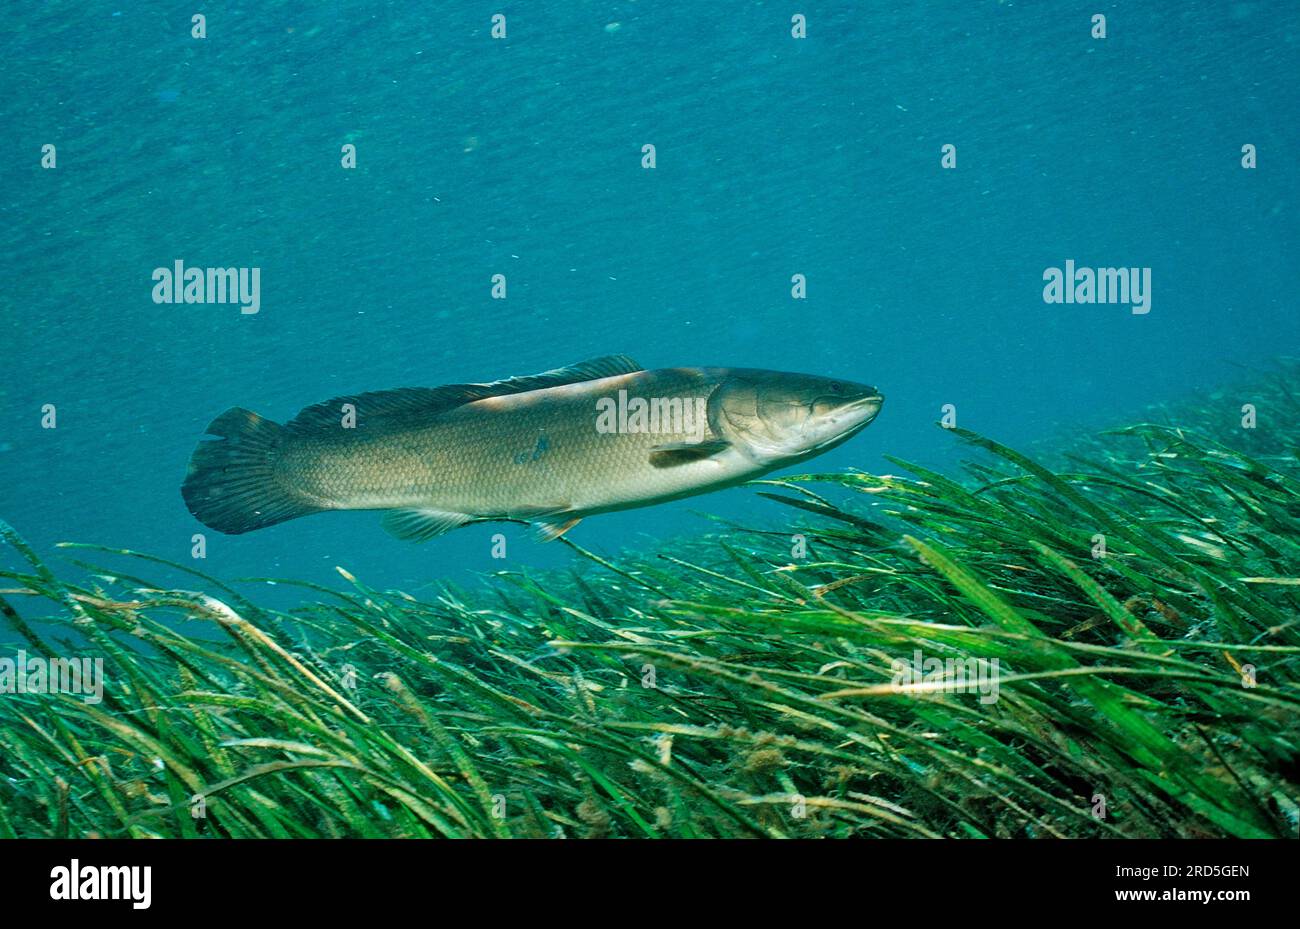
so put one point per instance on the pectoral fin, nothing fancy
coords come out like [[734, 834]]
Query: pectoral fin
[[679, 453], [422, 525]]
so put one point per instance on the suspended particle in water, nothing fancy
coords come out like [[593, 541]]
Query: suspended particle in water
[[665, 746]]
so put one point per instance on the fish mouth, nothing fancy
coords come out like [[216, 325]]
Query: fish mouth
[[868, 403], [856, 414]]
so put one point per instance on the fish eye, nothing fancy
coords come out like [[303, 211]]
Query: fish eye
[[835, 387]]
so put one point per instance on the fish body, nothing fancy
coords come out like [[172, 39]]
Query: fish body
[[549, 449]]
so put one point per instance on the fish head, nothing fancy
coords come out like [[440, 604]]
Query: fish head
[[777, 418]]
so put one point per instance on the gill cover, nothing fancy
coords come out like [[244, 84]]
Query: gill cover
[[772, 416]]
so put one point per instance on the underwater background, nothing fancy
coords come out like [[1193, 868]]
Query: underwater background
[[1073, 614], [522, 156]]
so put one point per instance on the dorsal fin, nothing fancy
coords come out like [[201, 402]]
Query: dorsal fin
[[593, 370], [429, 401]]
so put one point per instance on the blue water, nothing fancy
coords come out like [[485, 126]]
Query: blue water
[[522, 156]]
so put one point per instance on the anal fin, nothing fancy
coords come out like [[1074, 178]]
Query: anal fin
[[421, 525]]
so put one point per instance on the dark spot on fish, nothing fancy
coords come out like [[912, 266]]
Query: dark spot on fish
[[540, 449]]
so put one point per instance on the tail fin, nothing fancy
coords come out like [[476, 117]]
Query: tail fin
[[231, 485]]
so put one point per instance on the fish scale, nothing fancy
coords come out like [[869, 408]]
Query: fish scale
[[506, 455]]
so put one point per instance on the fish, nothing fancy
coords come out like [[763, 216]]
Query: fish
[[547, 449]]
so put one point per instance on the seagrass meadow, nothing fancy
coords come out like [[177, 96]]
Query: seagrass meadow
[[723, 686]]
